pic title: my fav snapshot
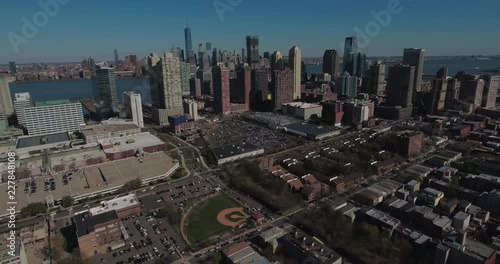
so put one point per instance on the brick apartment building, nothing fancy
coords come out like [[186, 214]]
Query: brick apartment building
[[409, 144]]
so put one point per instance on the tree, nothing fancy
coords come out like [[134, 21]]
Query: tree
[[72, 166], [131, 185], [33, 209], [67, 201], [216, 258], [23, 173]]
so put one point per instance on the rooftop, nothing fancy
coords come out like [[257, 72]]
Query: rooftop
[[272, 233], [52, 103], [461, 215], [106, 128], [31, 141], [302, 105], [309, 129], [115, 204], [85, 224], [233, 150], [132, 142]]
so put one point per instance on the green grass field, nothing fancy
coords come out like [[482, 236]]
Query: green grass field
[[201, 222]]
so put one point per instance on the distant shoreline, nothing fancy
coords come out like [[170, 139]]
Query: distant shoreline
[[72, 79]]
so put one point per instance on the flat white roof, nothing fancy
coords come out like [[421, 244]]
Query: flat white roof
[[115, 204], [302, 105], [137, 141]]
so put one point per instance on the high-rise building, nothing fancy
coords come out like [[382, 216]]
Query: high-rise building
[[435, 100], [222, 103], [206, 80], [53, 116], [331, 63], [166, 88], [361, 65], [12, 67], [91, 62], [332, 112], [133, 107], [490, 92], [244, 81], [346, 85], [187, 41], [415, 57], [374, 82], [21, 101], [282, 87], [350, 47], [5, 98], [452, 92], [260, 86], [117, 62], [195, 86], [104, 90], [133, 58], [295, 64], [253, 57], [471, 88], [208, 46], [243, 55], [215, 57], [205, 61], [442, 73], [266, 55], [277, 61], [399, 87], [185, 77]]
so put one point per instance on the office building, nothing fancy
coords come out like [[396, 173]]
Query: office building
[[361, 65], [205, 77], [104, 91], [357, 112], [166, 87], [191, 109], [277, 61], [244, 84], [185, 77], [133, 107], [53, 116], [215, 57], [21, 101], [333, 112], [350, 47], [435, 100], [6, 106], [117, 62], [374, 81], [331, 63], [346, 85], [452, 92], [295, 64], [282, 87], [471, 88], [442, 73], [208, 46], [253, 57], [399, 87], [195, 87], [260, 87], [415, 57], [205, 61], [12, 67], [96, 233], [187, 41], [222, 103], [490, 91], [91, 63]]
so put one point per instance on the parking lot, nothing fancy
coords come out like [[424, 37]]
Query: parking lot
[[148, 242], [236, 131]]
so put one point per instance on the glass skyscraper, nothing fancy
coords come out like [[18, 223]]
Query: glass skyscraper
[[187, 40]]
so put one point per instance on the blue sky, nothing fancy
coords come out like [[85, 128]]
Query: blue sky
[[94, 28]]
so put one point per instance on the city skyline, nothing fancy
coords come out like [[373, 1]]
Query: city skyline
[[331, 24]]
